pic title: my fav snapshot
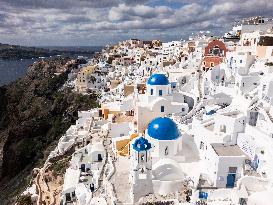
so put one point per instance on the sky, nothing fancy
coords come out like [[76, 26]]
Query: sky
[[100, 22]]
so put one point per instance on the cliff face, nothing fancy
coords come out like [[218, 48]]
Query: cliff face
[[35, 112]]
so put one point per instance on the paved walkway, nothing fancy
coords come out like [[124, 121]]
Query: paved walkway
[[121, 180]]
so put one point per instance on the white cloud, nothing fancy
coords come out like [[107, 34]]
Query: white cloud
[[125, 12], [43, 22]]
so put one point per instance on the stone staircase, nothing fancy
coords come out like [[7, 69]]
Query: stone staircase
[[269, 115], [247, 146]]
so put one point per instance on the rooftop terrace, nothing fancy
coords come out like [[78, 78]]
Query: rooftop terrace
[[124, 118], [227, 150]]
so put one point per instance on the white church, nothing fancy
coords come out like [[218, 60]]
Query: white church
[[155, 167], [158, 101]]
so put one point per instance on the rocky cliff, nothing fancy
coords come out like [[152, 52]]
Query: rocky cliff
[[34, 113]]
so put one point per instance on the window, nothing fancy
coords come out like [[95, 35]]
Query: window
[[202, 145], [232, 169], [160, 92], [183, 109], [162, 108], [152, 91], [166, 150], [142, 158], [223, 128], [211, 64], [73, 194], [216, 51], [241, 61]]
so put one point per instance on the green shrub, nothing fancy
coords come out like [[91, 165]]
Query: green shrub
[[24, 200]]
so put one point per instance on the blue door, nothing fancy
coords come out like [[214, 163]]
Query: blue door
[[231, 180], [203, 195]]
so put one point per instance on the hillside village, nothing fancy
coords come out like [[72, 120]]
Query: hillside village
[[180, 122]]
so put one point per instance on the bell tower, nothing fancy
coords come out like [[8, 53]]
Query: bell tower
[[141, 169]]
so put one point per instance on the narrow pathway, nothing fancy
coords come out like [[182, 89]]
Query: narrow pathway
[[105, 178]]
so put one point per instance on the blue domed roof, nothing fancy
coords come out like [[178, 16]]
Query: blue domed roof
[[163, 128], [158, 79], [141, 144]]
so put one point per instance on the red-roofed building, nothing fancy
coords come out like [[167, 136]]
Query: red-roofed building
[[215, 52]]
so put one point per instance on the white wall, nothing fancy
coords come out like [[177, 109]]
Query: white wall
[[166, 90], [158, 150], [149, 107], [247, 83], [232, 125], [94, 155], [119, 129], [144, 116], [223, 168], [217, 167], [216, 74], [166, 187]]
